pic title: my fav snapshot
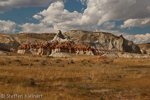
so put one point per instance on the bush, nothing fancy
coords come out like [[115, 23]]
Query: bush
[[2, 63], [125, 75], [24, 64], [31, 64], [57, 62], [82, 60], [9, 62], [118, 76], [36, 60], [43, 63], [107, 76], [72, 62], [50, 57], [101, 98], [17, 60], [88, 78], [32, 82]]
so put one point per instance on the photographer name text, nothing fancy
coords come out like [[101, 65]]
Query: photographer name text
[[18, 96]]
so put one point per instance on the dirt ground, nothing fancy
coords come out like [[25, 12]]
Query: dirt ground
[[30, 77]]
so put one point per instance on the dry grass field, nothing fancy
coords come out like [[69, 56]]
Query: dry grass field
[[30, 77]]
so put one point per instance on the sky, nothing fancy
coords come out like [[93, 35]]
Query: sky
[[130, 18]]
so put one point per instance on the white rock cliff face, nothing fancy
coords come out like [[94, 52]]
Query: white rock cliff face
[[60, 37], [102, 40], [8, 43]]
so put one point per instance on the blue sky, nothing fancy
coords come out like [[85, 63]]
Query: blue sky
[[130, 18]]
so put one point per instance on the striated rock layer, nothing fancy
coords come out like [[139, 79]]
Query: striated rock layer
[[55, 47], [58, 45], [102, 40]]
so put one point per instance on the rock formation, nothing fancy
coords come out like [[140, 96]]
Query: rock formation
[[58, 45], [82, 43], [8, 43], [145, 48], [37, 49], [60, 37], [102, 40], [143, 52], [55, 47]]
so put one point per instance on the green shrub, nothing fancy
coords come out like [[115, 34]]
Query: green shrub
[[118, 76], [36, 60], [31, 64], [43, 63], [17, 60], [72, 62], [107, 76], [9, 62], [2, 63], [32, 82], [101, 98], [50, 57]]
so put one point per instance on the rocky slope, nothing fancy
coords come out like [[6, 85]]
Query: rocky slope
[[59, 37], [102, 40], [12, 42], [145, 48], [33, 37], [8, 43]]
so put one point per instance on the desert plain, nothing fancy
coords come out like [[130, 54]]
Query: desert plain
[[74, 78]]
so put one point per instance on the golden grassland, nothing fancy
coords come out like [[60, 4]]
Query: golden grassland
[[75, 78]]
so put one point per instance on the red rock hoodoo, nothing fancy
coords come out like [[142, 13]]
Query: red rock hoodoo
[[64, 46]]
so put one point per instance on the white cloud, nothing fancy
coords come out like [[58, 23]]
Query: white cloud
[[37, 16], [62, 19], [98, 12], [109, 25], [6, 5], [83, 1], [36, 28], [139, 38], [119, 9], [136, 22], [7, 27]]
